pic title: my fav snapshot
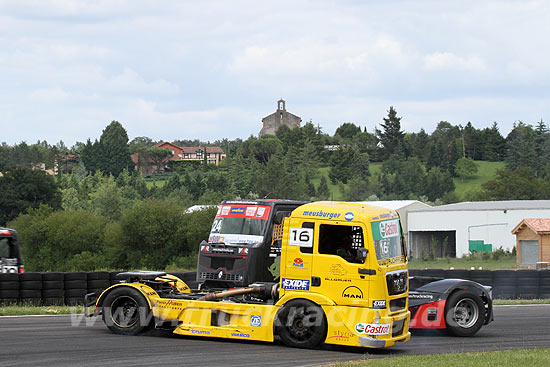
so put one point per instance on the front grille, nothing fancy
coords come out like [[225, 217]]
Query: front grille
[[398, 304], [397, 282], [225, 276], [397, 328]]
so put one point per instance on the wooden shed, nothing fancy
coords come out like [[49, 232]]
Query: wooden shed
[[533, 241]]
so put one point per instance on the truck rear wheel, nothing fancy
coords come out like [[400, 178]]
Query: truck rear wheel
[[301, 324], [125, 311], [464, 313]]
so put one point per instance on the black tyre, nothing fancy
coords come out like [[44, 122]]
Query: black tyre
[[301, 324], [9, 285], [76, 284], [9, 294], [95, 284], [98, 275], [79, 275], [75, 293], [464, 313], [125, 311], [53, 293], [9, 277], [53, 284], [30, 293], [53, 276], [30, 277], [31, 284]]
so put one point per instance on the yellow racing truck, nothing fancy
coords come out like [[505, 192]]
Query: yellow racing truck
[[343, 279]]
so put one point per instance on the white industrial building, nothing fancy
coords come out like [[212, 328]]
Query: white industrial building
[[402, 207], [455, 229]]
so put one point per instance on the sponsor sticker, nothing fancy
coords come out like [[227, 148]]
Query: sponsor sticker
[[337, 279], [250, 211], [352, 292], [379, 304], [225, 210], [349, 216], [260, 212], [205, 248], [389, 228], [237, 210], [298, 262], [372, 329], [297, 284], [320, 213], [200, 332], [240, 335], [255, 320]]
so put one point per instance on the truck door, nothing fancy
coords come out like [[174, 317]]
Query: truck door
[[296, 260], [337, 271]]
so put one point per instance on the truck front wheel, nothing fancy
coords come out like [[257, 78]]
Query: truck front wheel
[[301, 324], [125, 311]]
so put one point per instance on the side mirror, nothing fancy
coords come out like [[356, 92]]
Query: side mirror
[[362, 253], [279, 216]]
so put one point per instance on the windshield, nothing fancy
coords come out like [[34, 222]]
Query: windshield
[[240, 223], [7, 250], [388, 242], [239, 226]]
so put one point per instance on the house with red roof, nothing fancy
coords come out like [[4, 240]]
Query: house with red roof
[[533, 242], [148, 165]]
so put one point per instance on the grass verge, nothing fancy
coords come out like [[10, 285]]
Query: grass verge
[[501, 302], [524, 357], [17, 310], [464, 263]]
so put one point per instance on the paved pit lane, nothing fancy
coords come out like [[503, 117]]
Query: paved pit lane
[[55, 341]]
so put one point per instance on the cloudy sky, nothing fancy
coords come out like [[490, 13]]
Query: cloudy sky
[[212, 69]]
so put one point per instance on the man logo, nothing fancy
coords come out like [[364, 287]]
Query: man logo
[[352, 292]]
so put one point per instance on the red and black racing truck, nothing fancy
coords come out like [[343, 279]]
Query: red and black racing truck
[[10, 256], [244, 247]]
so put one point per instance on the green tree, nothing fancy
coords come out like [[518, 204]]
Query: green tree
[[275, 181], [347, 131], [391, 136], [438, 183], [24, 188], [157, 156], [323, 192], [60, 241], [443, 147], [521, 147], [115, 152], [266, 146], [91, 156], [107, 200], [494, 145], [152, 234], [465, 168], [518, 184]]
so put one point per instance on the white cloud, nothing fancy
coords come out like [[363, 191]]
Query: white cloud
[[49, 95], [449, 61]]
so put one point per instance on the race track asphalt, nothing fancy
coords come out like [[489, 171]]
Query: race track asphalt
[[57, 341]]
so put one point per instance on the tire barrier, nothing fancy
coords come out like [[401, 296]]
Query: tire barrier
[[57, 288], [507, 284]]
